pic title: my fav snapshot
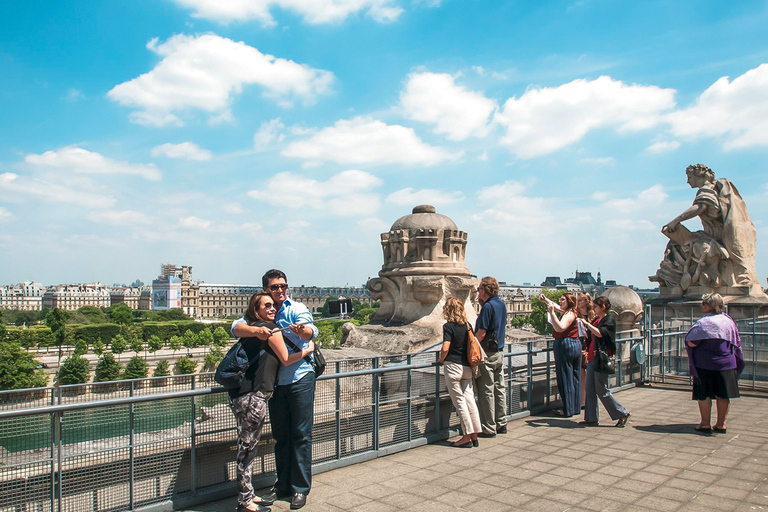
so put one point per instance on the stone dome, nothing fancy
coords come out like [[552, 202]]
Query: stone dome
[[624, 299], [424, 217]]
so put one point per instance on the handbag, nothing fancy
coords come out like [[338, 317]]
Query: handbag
[[603, 362], [318, 364], [475, 353]]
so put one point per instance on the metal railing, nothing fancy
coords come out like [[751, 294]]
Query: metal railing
[[156, 444]]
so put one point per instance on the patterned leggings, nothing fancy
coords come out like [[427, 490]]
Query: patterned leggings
[[250, 412]]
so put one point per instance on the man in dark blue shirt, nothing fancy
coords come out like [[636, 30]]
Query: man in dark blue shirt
[[491, 331]]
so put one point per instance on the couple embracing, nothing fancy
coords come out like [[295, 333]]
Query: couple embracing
[[283, 380]]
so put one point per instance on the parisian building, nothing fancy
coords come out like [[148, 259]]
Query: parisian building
[[26, 296], [74, 296], [130, 296]]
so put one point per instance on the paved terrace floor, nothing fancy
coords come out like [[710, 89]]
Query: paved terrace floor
[[552, 464]]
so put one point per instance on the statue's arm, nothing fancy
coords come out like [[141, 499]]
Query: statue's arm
[[694, 211]]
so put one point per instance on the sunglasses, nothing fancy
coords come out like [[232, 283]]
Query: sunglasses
[[275, 287], [268, 305]]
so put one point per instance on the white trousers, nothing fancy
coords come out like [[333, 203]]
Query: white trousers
[[458, 380]]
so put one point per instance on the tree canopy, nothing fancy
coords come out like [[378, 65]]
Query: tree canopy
[[18, 369]]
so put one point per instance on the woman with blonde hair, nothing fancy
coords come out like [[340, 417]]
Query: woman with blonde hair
[[567, 351], [458, 374]]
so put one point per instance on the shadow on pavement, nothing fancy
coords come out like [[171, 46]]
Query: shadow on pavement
[[673, 428]]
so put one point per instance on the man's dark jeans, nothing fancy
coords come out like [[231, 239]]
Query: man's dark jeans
[[291, 411]]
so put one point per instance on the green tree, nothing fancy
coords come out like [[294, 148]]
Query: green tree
[[205, 338], [136, 344], [118, 345], [189, 340], [172, 314], [538, 316], [175, 344], [18, 369], [137, 368], [81, 348], [120, 314], [56, 320], [184, 366], [98, 347], [364, 315], [93, 314], [2, 328], [220, 337], [107, 369], [73, 370], [325, 337], [163, 369], [212, 359], [154, 343]]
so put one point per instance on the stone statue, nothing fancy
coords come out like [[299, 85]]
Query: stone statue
[[424, 264], [722, 256]]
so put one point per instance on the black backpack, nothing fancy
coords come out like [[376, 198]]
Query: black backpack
[[231, 370]]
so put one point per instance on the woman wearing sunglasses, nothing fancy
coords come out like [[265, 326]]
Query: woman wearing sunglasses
[[249, 403]]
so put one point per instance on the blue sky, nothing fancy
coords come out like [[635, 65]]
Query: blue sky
[[291, 133]]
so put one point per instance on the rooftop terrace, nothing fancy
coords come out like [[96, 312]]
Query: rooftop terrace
[[657, 462]]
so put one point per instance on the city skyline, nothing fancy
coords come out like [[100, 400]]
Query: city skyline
[[290, 135]]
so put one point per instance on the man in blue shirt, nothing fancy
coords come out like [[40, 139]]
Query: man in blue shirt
[[291, 408], [490, 331]]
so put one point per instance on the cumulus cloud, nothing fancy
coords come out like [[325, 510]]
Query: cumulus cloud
[[204, 72], [649, 198], [312, 11], [5, 214], [15, 187], [82, 161], [119, 218], [506, 204], [193, 222], [410, 196], [184, 151], [345, 194], [269, 134], [735, 111], [662, 147], [544, 120], [456, 111], [368, 141]]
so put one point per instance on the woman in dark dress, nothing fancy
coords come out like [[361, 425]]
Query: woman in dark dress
[[567, 351], [249, 403], [715, 361], [602, 331], [458, 374]]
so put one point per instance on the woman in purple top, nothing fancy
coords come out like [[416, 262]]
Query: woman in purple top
[[715, 361]]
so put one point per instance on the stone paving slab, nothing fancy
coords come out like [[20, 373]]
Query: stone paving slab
[[657, 462]]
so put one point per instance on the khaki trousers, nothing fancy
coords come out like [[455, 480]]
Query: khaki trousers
[[458, 380], [491, 396]]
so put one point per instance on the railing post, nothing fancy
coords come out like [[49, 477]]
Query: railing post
[[663, 339], [437, 393], [549, 373], [529, 394], [53, 450], [376, 405], [192, 450], [754, 348], [645, 372], [409, 400], [338, 411], [507, 358], [131, 453], [59, 461]]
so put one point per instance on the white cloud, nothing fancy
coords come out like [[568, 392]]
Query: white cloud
[[269, 134], [233, 208], [368, 141], [222, 118], [205, 71], [345, 194], [544, 120], [5, 215], [373, 224], [435, 98], [410, 196], [74, 95], [647, 199], [662, 146], [608, 160], [119, 218], [600, 196], [509, 209], [15, 186], [82, 161], [193, 222], [312, 11], [184, 151], [735, 111]]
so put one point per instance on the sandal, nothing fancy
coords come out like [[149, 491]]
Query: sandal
[[559, 412], [703, 430], [622, 421], [719, 430]]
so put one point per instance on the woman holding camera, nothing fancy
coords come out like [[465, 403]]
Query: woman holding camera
[[567, 351]]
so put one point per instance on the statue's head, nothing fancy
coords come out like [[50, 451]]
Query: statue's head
[[700, 171]]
